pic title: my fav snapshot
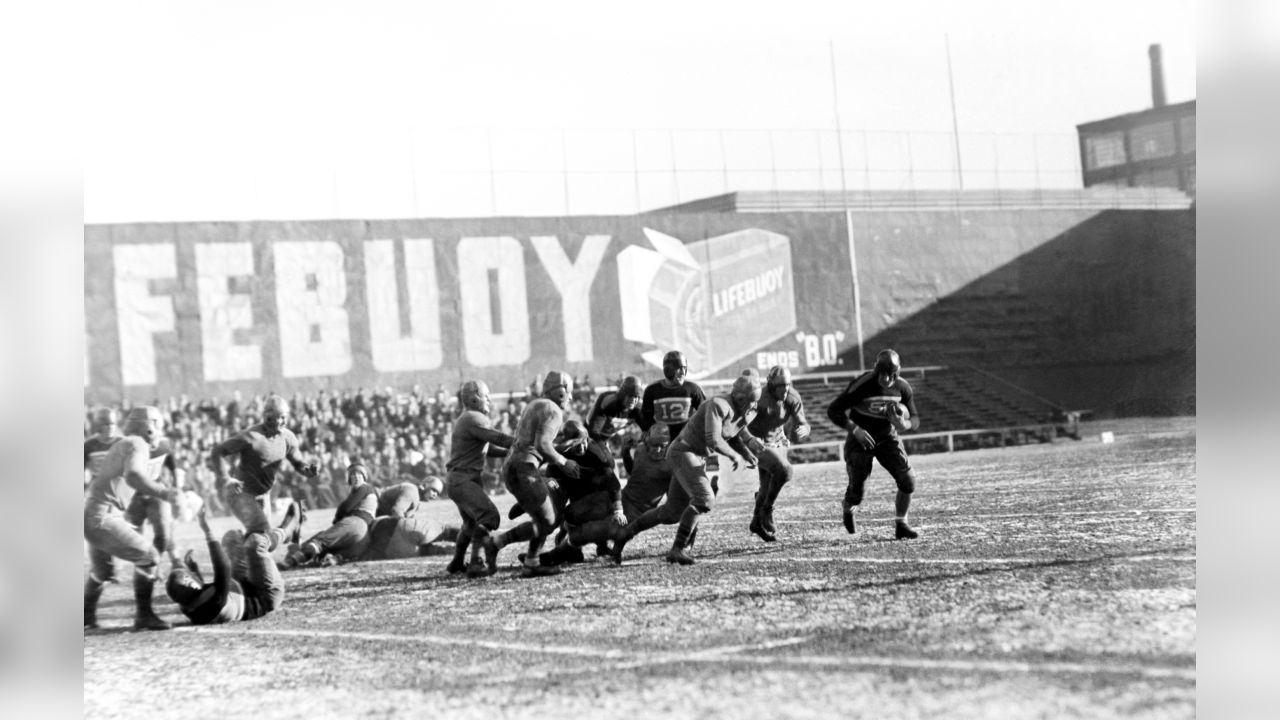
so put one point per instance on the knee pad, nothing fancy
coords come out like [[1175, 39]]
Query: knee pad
[[702, 508], [906, 483]]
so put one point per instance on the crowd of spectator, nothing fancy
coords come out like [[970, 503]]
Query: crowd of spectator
[[400, 435]]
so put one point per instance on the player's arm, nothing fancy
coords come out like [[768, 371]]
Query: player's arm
[[231, 446], [838, 411], [909, 402], [697, 397], [748, 446], [596, 419], [713, 434], [484, 431], [838, 414], [795, 409], [294, 456], [136, 454], [545, 442], [218, 556], [646, 410]]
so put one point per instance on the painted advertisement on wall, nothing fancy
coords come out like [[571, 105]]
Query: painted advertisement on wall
[[204, 309]]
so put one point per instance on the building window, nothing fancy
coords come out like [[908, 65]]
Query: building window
[[1167, 177], [1105, 150], [1187, 126], [1152, 141]]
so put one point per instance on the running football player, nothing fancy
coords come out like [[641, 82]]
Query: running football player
[[261, 449], [780, 407], [874, 408], [473, 435], [128, 467], [534, 445]]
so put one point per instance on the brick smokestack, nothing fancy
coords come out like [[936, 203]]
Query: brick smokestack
[[1157, 76]]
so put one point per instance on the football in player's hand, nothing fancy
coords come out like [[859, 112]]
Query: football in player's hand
[[899, 416]]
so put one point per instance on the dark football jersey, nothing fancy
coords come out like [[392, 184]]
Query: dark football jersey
[[865, 403], [670, 407]]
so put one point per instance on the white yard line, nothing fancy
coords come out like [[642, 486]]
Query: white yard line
[[721, 654], [423, 639], [935, 561], [994, 666], [865, 517]]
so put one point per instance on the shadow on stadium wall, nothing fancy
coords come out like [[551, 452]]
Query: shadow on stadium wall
[[1101, 316]]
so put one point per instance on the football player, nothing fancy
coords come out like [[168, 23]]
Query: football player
[[349, 532], [690, 496], [534, 445], [874, 408], [261, 449], [665, 408], [242, 596], [473, 435], [614, 410], [780, 408], [402, 500], [128, 467], [589, 506], [105, 434]]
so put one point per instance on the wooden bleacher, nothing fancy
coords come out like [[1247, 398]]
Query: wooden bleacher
[[961, 407]]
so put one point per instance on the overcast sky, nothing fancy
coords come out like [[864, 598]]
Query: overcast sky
[[242, 110]]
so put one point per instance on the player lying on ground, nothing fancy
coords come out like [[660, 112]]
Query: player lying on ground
[[403, 499], [230, 597], [349, 532]]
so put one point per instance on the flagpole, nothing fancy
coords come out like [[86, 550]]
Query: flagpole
[[848, 216]]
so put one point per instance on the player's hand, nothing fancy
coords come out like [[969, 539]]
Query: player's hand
[[863, 438], [234, 486], [802, 433], [571, 469], [750, 461], [619, 518], [310, 470], [735, 461], [899, 417], [203, 519]]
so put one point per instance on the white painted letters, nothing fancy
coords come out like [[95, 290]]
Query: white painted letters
[[393, 351], [485, 344], [140, 314], [311, 289], [222, 311], [573, 280]]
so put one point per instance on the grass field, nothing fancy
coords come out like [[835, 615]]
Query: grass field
[[1049, 581]]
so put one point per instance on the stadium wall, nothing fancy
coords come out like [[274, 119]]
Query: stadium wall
[[206, 308]]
